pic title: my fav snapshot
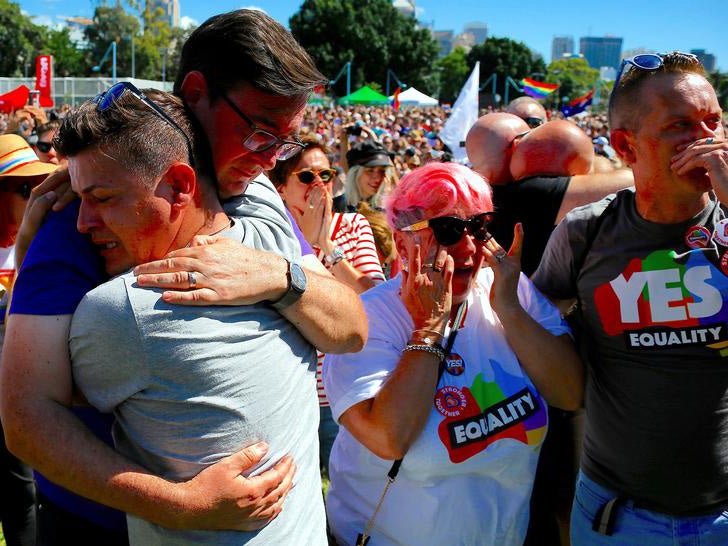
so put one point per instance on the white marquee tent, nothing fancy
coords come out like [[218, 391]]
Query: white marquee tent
[[412, 97]]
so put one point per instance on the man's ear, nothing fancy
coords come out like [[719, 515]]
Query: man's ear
[[181, 186], [622, 141], [194, 90]]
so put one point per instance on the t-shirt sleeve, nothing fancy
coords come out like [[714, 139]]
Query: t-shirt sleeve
[[540, 308], [107, 350], [265, 222], [365, 257], [59, 268], [352, 378], [554, 274]]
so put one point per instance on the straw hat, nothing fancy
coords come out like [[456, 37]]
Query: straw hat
[[17, 158]]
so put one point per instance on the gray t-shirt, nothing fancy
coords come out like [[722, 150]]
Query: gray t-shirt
[[655, 304], [190, 385]]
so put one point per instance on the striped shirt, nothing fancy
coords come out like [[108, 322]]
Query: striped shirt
[[352, 233]]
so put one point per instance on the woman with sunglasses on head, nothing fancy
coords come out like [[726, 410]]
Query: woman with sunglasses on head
[[342, 241], [462, 359], [20, 172]]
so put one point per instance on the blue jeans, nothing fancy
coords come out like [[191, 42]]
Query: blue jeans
[[636, 526]]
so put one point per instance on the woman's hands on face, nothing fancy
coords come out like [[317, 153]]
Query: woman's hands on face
[[427, 285]]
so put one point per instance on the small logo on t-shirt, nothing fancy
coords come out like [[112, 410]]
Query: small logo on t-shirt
[[697, 237], [450, 401], [724, 263], [454, 364]]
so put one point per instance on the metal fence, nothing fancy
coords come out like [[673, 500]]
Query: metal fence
[[74, 91]]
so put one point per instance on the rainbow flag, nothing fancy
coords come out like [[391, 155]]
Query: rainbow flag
[[538, 90], [395, 99]]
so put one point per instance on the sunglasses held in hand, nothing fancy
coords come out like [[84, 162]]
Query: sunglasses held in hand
[[449, 230]]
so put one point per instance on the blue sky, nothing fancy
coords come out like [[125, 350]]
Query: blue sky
[[659, 26]]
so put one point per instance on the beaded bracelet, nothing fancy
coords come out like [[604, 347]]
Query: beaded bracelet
[[436, 350]]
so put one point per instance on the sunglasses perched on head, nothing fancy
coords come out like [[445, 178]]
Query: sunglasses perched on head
[[448, 230], [307, 176], [106, 100], [44, 147], [649, 61]]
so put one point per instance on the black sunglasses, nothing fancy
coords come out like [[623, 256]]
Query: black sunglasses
[[259, 140], [44, 147], [107, 99], [307, 176], [448, 230], [533, 122]]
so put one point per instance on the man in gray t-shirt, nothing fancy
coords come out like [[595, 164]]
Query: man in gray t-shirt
[[188, 385], [650, 270]]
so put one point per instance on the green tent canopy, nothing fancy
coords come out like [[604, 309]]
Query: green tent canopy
[[365, 95]]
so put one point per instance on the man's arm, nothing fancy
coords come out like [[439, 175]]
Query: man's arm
[[329, 314], [35, 395], [587, 188]]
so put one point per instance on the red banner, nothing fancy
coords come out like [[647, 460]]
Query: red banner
[[14, 100], [44, 79]]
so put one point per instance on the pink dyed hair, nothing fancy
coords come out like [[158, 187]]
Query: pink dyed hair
[[437, 189]]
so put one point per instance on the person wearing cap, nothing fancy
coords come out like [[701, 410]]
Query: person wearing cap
[[20, 172], [370, 176], [649, 268]]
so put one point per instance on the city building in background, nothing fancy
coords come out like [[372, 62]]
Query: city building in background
[[478, 30], [444, 39], [708, 59], [601, 51], [562, 46], [466, 40], [171, 10]]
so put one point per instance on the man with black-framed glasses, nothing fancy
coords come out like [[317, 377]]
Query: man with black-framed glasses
[[326, 312], [649, 268]]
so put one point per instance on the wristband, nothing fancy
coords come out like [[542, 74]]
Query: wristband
[[428, 337], [436, 350]]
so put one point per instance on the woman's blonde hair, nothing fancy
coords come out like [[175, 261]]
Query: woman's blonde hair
[[353, 195]]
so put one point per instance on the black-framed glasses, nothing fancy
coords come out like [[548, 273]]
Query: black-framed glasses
[[448, 230], [307, 176], [107, 98], [648, 61], [259, 140], [44, 147], [533, 122]]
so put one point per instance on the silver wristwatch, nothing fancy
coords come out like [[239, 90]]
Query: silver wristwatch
[[296, 287], [334, 257]]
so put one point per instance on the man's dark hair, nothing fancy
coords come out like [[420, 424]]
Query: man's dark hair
[[248, 46], [47, 127], [279, 174], [625, 104], [131, 132]]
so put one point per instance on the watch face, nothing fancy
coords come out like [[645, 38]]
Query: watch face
[[298, 278]]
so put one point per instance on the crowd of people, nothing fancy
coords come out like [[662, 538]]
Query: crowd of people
[[215, 297]]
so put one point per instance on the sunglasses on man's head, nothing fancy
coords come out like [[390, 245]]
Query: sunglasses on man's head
[[106, 100], [649, 61], [307, 176], [44, 147], [449, 230]]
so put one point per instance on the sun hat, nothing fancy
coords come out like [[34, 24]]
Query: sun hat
[[17, 158]]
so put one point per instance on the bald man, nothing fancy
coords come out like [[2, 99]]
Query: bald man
[[529, 110], [550, 176]]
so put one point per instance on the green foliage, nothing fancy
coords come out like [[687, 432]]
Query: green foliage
[[505, 57], [111, 24], [575, 77], [720, 84], [68, 59], [453, 72], [20, 40], [371, 34]]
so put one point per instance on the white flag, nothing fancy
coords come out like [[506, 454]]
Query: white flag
[[463, 117]]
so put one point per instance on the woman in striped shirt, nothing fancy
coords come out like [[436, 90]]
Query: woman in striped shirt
[[342, 241]]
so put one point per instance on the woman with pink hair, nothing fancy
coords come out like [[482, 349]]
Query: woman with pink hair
[[463, 356]]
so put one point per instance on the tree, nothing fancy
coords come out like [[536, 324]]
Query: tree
[[453, 72], [720, 84], [506, 58], [68, 59], [575, 77], [111, 24], [20, 40], [371, 34]]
